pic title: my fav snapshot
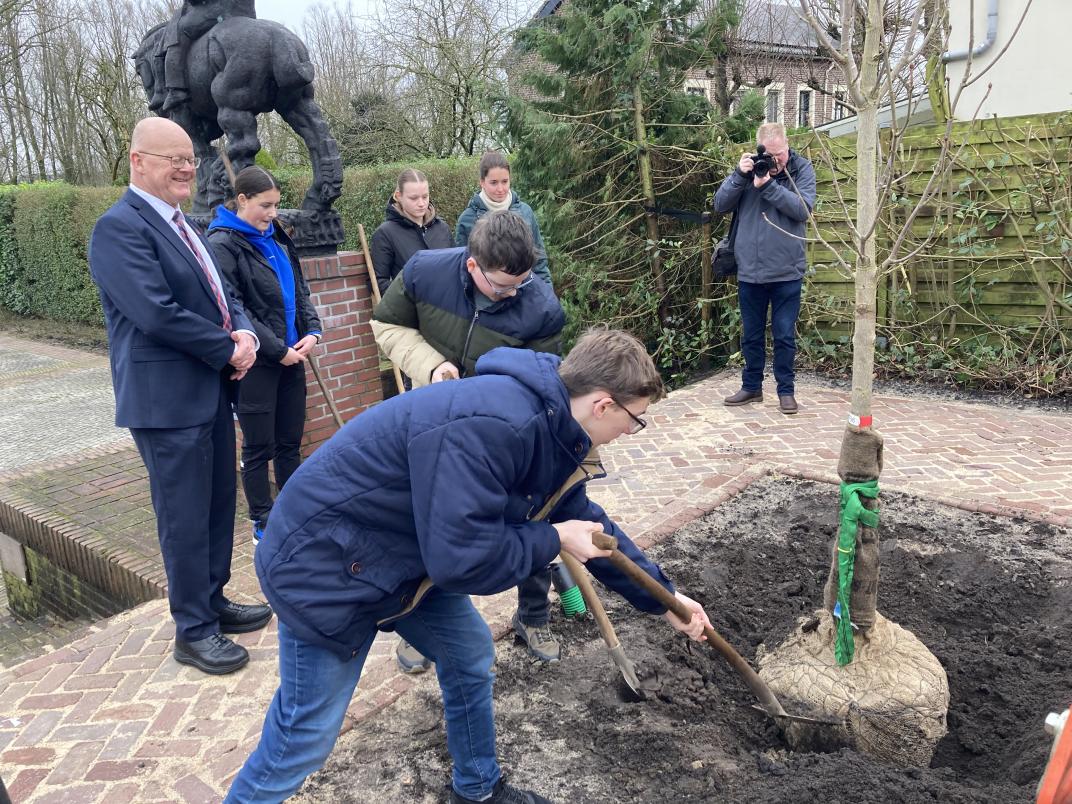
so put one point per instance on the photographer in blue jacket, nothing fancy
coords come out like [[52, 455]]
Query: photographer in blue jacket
[[772, 194], [418, 503]]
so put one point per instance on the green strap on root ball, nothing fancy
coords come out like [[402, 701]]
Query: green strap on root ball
[[853, 512]]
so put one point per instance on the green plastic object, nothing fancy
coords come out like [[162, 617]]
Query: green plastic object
[[852, 513], [569, 594]]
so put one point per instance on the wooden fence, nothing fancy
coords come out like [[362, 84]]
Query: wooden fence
[[994, 245]]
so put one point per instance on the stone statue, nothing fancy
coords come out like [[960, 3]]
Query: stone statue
[[192, 21], [212, 69]]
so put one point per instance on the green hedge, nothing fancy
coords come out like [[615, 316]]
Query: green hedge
[[45, 228]]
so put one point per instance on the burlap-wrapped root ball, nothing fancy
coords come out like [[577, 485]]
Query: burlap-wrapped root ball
[[893, 697]]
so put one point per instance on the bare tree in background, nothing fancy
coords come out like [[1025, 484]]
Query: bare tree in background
[[769, 44], [21, 42], [443, 60], [114, 97], [414, 80], [68, 93], [880, 46], [358, 94]]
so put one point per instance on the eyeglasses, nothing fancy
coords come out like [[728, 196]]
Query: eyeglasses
[[505, 290], [177, 162], [638, 423]]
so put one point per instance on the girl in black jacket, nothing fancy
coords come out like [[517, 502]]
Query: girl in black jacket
[[258, 260], [411, 225]]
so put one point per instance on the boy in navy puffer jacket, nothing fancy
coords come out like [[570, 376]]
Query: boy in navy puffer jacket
[[420, 502]]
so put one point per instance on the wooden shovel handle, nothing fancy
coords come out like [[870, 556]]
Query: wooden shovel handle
[[324, 390], [375, 290], [758, 686], [607, 542], [588, 592]]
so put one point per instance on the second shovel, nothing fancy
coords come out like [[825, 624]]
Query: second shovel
[[632, 689]]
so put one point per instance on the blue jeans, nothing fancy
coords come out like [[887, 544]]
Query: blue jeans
[[315, 687], [783, 301]]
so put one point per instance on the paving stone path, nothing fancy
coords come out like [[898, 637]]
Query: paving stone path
[[112, 718]]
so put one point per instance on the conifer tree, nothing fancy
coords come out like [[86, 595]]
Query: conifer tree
[[612, 144]]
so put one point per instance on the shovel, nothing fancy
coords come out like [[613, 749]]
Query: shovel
[[324, 390], [606, 630], [757, 685]]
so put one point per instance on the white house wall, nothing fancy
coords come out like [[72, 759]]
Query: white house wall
[[1032, 76]]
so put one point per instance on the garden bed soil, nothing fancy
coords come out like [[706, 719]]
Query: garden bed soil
[[989, 596]]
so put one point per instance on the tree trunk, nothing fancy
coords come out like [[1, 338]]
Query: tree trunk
[[706, 287], [861, 447], [651, 221], [863, 339]]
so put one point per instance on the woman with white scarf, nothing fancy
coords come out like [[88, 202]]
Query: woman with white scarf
[[495, 195]]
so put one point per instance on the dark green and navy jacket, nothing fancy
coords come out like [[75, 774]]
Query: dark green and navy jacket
[[432, 312]]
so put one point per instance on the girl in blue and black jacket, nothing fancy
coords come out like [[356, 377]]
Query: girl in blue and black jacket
[[259, 261]]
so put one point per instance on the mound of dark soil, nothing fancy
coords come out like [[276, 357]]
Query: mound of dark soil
[[990, 597]]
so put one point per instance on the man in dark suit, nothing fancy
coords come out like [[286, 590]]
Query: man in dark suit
[[178, 342]]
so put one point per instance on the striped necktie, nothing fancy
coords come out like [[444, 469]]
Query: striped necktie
[[180, 221]]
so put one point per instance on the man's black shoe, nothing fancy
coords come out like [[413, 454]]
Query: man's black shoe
[[743, 397], [787, 404], [503, 794], [238, 619], [215, 655]]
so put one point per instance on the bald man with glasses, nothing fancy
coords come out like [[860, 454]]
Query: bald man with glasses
[[178, 343]]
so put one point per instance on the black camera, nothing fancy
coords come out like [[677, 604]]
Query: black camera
[[762, 162]]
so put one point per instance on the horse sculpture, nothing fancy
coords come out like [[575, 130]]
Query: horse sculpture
[[241, 68]]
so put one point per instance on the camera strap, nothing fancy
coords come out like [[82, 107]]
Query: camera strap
[[732, 237]]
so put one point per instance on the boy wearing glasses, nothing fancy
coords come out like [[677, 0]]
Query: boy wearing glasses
[[446, 309], [420, 502]]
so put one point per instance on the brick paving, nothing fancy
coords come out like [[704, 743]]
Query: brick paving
[[112, 718], [70, 393]]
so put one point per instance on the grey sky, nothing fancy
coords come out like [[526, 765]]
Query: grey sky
[[291, 12]]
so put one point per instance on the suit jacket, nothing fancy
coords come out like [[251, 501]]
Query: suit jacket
[[167, 345]]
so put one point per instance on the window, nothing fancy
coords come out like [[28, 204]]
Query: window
[[695, 86], [841, 111], [774, 106], [738, 96], [804, 108]]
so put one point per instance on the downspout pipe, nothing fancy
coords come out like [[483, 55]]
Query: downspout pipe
[[982, 47]]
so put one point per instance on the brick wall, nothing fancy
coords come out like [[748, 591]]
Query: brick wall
[[51, 589], [519, 66], [120, 573], [789, 76], [348, 358]]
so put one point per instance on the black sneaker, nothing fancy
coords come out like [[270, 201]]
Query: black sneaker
[[215, 655], [502, 794]]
